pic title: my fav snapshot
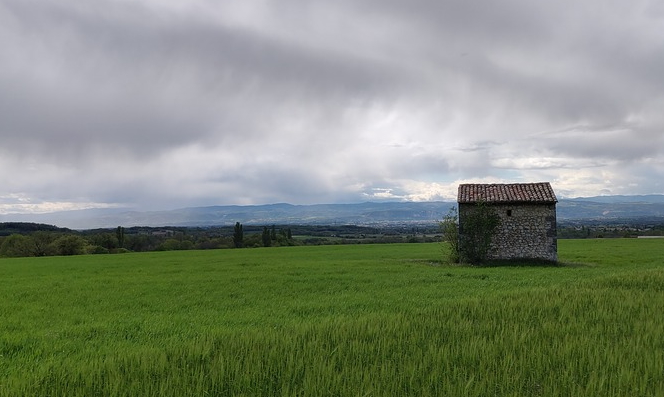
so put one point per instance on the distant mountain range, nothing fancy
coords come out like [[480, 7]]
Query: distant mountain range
[[373, 213]]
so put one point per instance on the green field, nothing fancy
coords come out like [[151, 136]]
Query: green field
[[354, 320]]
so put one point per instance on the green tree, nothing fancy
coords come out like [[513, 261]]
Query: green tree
[[476, 233], [267, 238], [18, 245], [169, 244], [141, 242], [43, 242], [106, 240], [252, 240], [281, 239], [172, 244], [120, 234], [69, 244], [238, 235]]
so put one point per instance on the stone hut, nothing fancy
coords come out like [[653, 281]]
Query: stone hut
[[527, 213]]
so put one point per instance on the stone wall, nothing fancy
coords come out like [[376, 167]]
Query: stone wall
[[526, 231]]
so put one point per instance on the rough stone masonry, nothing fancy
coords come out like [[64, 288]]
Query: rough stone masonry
[[527, 213]]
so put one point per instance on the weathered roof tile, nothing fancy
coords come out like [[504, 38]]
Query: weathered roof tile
[[540, 192]]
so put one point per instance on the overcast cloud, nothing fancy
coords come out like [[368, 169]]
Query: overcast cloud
[[161, 104]]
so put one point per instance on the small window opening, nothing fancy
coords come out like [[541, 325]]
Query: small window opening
[[509, 212]]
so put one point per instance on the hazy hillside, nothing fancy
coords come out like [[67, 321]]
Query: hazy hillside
[[650, 198], [604, 207]]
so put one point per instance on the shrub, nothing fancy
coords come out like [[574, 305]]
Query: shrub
[[476, 233], [450, 229], [97, 249]]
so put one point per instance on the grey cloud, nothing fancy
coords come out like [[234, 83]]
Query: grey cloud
[[320, 101], [153, 84], [620, 143], [567, 62]]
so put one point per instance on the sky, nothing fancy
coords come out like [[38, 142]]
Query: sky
[[164, 104]]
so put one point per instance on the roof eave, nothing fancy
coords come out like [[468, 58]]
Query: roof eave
[[509, 202]]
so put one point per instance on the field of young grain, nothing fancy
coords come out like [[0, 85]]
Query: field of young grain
[[360, 320]]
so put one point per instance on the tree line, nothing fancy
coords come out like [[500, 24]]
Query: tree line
[[30, 239]]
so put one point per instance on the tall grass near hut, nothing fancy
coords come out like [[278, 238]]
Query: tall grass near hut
[[334, 320]]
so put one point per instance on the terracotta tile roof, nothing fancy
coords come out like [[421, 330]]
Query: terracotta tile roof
[[507, 193]]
